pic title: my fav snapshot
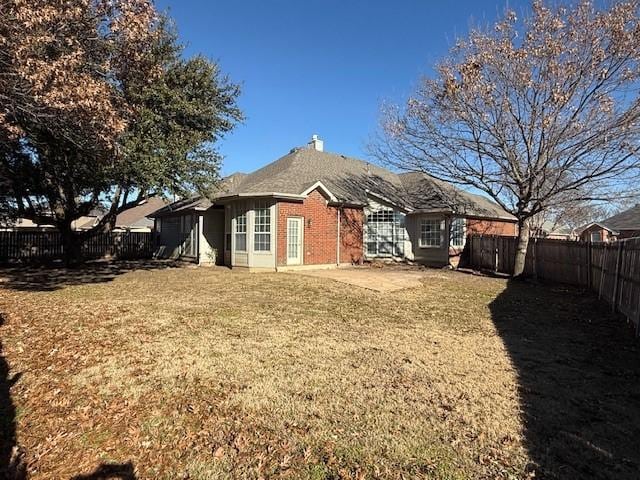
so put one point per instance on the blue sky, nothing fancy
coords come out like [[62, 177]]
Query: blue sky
[[320, 66]]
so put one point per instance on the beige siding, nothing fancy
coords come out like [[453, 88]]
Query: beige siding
[[251, 257], [212, 237], [430, 256], [169, 237]]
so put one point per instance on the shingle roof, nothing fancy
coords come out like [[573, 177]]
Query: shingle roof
[[138, 216], [627, 220], [347, 178], [186, 204], [351, 180], [429, 194]]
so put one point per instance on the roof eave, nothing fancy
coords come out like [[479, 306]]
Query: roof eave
[[237, 196]]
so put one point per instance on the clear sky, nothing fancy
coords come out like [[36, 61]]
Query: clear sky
[[311, 66]]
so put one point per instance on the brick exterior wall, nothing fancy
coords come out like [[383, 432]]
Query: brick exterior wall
[[605, 234], [321, 231], [491, 227], [477, 226]]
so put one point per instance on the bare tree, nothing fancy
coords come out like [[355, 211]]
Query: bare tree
[[536, 113]]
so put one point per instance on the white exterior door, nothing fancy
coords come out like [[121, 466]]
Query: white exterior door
[[294, 241]]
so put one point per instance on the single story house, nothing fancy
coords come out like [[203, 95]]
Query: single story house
[[314, 208], [625, 224], [136, 218], [552, 231]]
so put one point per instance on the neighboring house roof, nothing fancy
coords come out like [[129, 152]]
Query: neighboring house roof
[[24, 223], [138, 216], [600, 225], [86, 222], [349, 181], [627, 220]]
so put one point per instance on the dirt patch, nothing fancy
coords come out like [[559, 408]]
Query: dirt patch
[[378, 278]]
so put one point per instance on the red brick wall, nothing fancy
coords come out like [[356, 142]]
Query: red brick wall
[[321, 230], [605, 234], [351, 235], [491, 227]]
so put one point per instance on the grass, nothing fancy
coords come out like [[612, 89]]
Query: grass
[[205, 373]]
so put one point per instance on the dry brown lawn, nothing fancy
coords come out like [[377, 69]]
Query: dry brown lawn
[[205, 373]]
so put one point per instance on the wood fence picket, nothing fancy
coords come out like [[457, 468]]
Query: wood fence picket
[[612, 270]]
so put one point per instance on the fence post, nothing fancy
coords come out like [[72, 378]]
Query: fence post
[[589, 278], [495, 253], [534, 258], [616, 288]]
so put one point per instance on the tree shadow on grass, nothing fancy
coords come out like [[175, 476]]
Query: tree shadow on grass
[[578, 368], [49, 278], [110, 471], [11, 465]]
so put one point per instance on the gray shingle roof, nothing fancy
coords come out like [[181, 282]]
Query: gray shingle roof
[[351, 180], [184, 205], [347, 178], [627, 220], [429, 194]]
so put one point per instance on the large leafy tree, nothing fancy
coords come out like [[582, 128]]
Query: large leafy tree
[[98, 107], [540, 113]]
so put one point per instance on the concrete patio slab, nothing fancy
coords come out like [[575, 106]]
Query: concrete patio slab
[[385, 279]]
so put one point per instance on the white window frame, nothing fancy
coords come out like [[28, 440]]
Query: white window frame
[[464, 232], [440, 229], [262, 228], [394, 223], [240, 231]]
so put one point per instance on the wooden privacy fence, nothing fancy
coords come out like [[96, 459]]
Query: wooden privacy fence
[[612, 270], [16, 246]]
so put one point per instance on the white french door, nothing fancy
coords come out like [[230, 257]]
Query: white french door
[[294, 241]]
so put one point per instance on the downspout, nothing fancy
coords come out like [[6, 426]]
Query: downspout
[[338, 239]]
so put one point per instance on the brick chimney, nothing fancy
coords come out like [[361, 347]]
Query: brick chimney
[[316, 143]]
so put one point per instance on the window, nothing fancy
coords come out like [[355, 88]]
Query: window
[[262, 228], [241, 232], [596, 237], [385, 233], [430, 233], [457, 232]]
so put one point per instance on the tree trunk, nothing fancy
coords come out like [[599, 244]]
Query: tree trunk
[[521, 248], [71, 245]]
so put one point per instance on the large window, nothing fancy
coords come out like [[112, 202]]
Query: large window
[[262, 228], [430, 233], [457, 232], [241, 232], [385, 233]]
